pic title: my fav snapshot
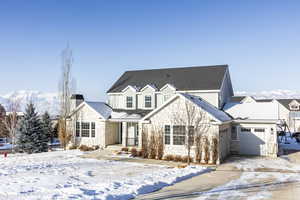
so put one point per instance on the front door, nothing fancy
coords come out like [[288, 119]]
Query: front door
[[132, 134]]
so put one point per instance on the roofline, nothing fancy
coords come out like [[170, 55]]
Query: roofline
[[172, 99], [179, 67], [82, 104], [182, 91], [168, 68]]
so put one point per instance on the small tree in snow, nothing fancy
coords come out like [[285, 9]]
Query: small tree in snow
[[30, 132], [47, 125]]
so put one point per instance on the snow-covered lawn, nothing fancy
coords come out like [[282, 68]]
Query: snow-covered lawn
[[64, 175]]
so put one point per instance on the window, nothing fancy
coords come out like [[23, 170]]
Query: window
[[259, 130], [191, 135], [129, 102], [179, 135], [85, 129], [294, 107], [234, 135], [147, 101], [93, 125], [246, 130], [167, 134], [77, 129]]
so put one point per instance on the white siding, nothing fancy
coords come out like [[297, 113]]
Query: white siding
[[166, 117]]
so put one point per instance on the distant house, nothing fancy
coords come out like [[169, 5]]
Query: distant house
[[141, 100]]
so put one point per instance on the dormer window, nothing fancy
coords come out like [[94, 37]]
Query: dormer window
[[129, 102], [148, 102], [294, 107]]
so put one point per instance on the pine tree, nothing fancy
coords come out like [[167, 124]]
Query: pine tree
[[30, 132], [48, 128]]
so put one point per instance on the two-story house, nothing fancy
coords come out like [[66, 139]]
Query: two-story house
[[141, 100]]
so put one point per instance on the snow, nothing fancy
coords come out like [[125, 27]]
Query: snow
[[5, 146], [102, 108], [216, 113], [255, 185], [65, 175], [252, 110]]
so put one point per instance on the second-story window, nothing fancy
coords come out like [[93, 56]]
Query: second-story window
[[129, 102], [147, 101]]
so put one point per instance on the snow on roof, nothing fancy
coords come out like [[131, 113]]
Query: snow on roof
[[124, 115], [102, 108], [216, 113], [252, 110]]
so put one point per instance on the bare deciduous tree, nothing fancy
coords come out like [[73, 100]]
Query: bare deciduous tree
[[11, 118], [65, 89], [195, 121]]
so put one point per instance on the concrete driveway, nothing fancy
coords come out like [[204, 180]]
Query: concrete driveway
[[241, 178]]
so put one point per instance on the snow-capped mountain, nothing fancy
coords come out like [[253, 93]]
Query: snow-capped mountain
[[43, 101], [272, 94]]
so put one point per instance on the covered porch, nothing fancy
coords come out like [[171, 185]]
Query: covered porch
[[128, 133]]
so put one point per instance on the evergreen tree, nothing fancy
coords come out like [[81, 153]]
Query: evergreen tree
[[48, 128], [30, 132]]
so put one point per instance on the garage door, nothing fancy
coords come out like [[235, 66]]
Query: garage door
[[252, 141]]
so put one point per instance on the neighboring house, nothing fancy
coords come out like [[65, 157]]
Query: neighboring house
[[289, 110], [145, 100]]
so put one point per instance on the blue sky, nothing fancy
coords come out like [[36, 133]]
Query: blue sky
[[260, 40]]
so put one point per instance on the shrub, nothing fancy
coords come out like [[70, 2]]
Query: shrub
[[85, 148], [159, 144], [169, 157], [144, 150], [151, 146], [72, 147], [134, 152], [177, 158], [140, 153], [185, 159], [125, 149], [96, 147]]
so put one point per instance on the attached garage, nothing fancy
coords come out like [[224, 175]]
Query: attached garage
[[254, 137]]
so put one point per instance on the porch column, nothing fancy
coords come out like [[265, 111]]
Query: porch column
[[140, 135], [124, 134]]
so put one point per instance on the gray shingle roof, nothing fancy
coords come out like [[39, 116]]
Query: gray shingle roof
[[186, 78], [286, 102]]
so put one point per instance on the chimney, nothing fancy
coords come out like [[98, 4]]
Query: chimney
[[76, 99]]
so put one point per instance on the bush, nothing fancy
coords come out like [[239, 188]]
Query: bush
[[125, 149], [185, 159], [152, 149], [73, 147], [96, 147], [177, 158], [85, 148], [169, 157], [134, 152]]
